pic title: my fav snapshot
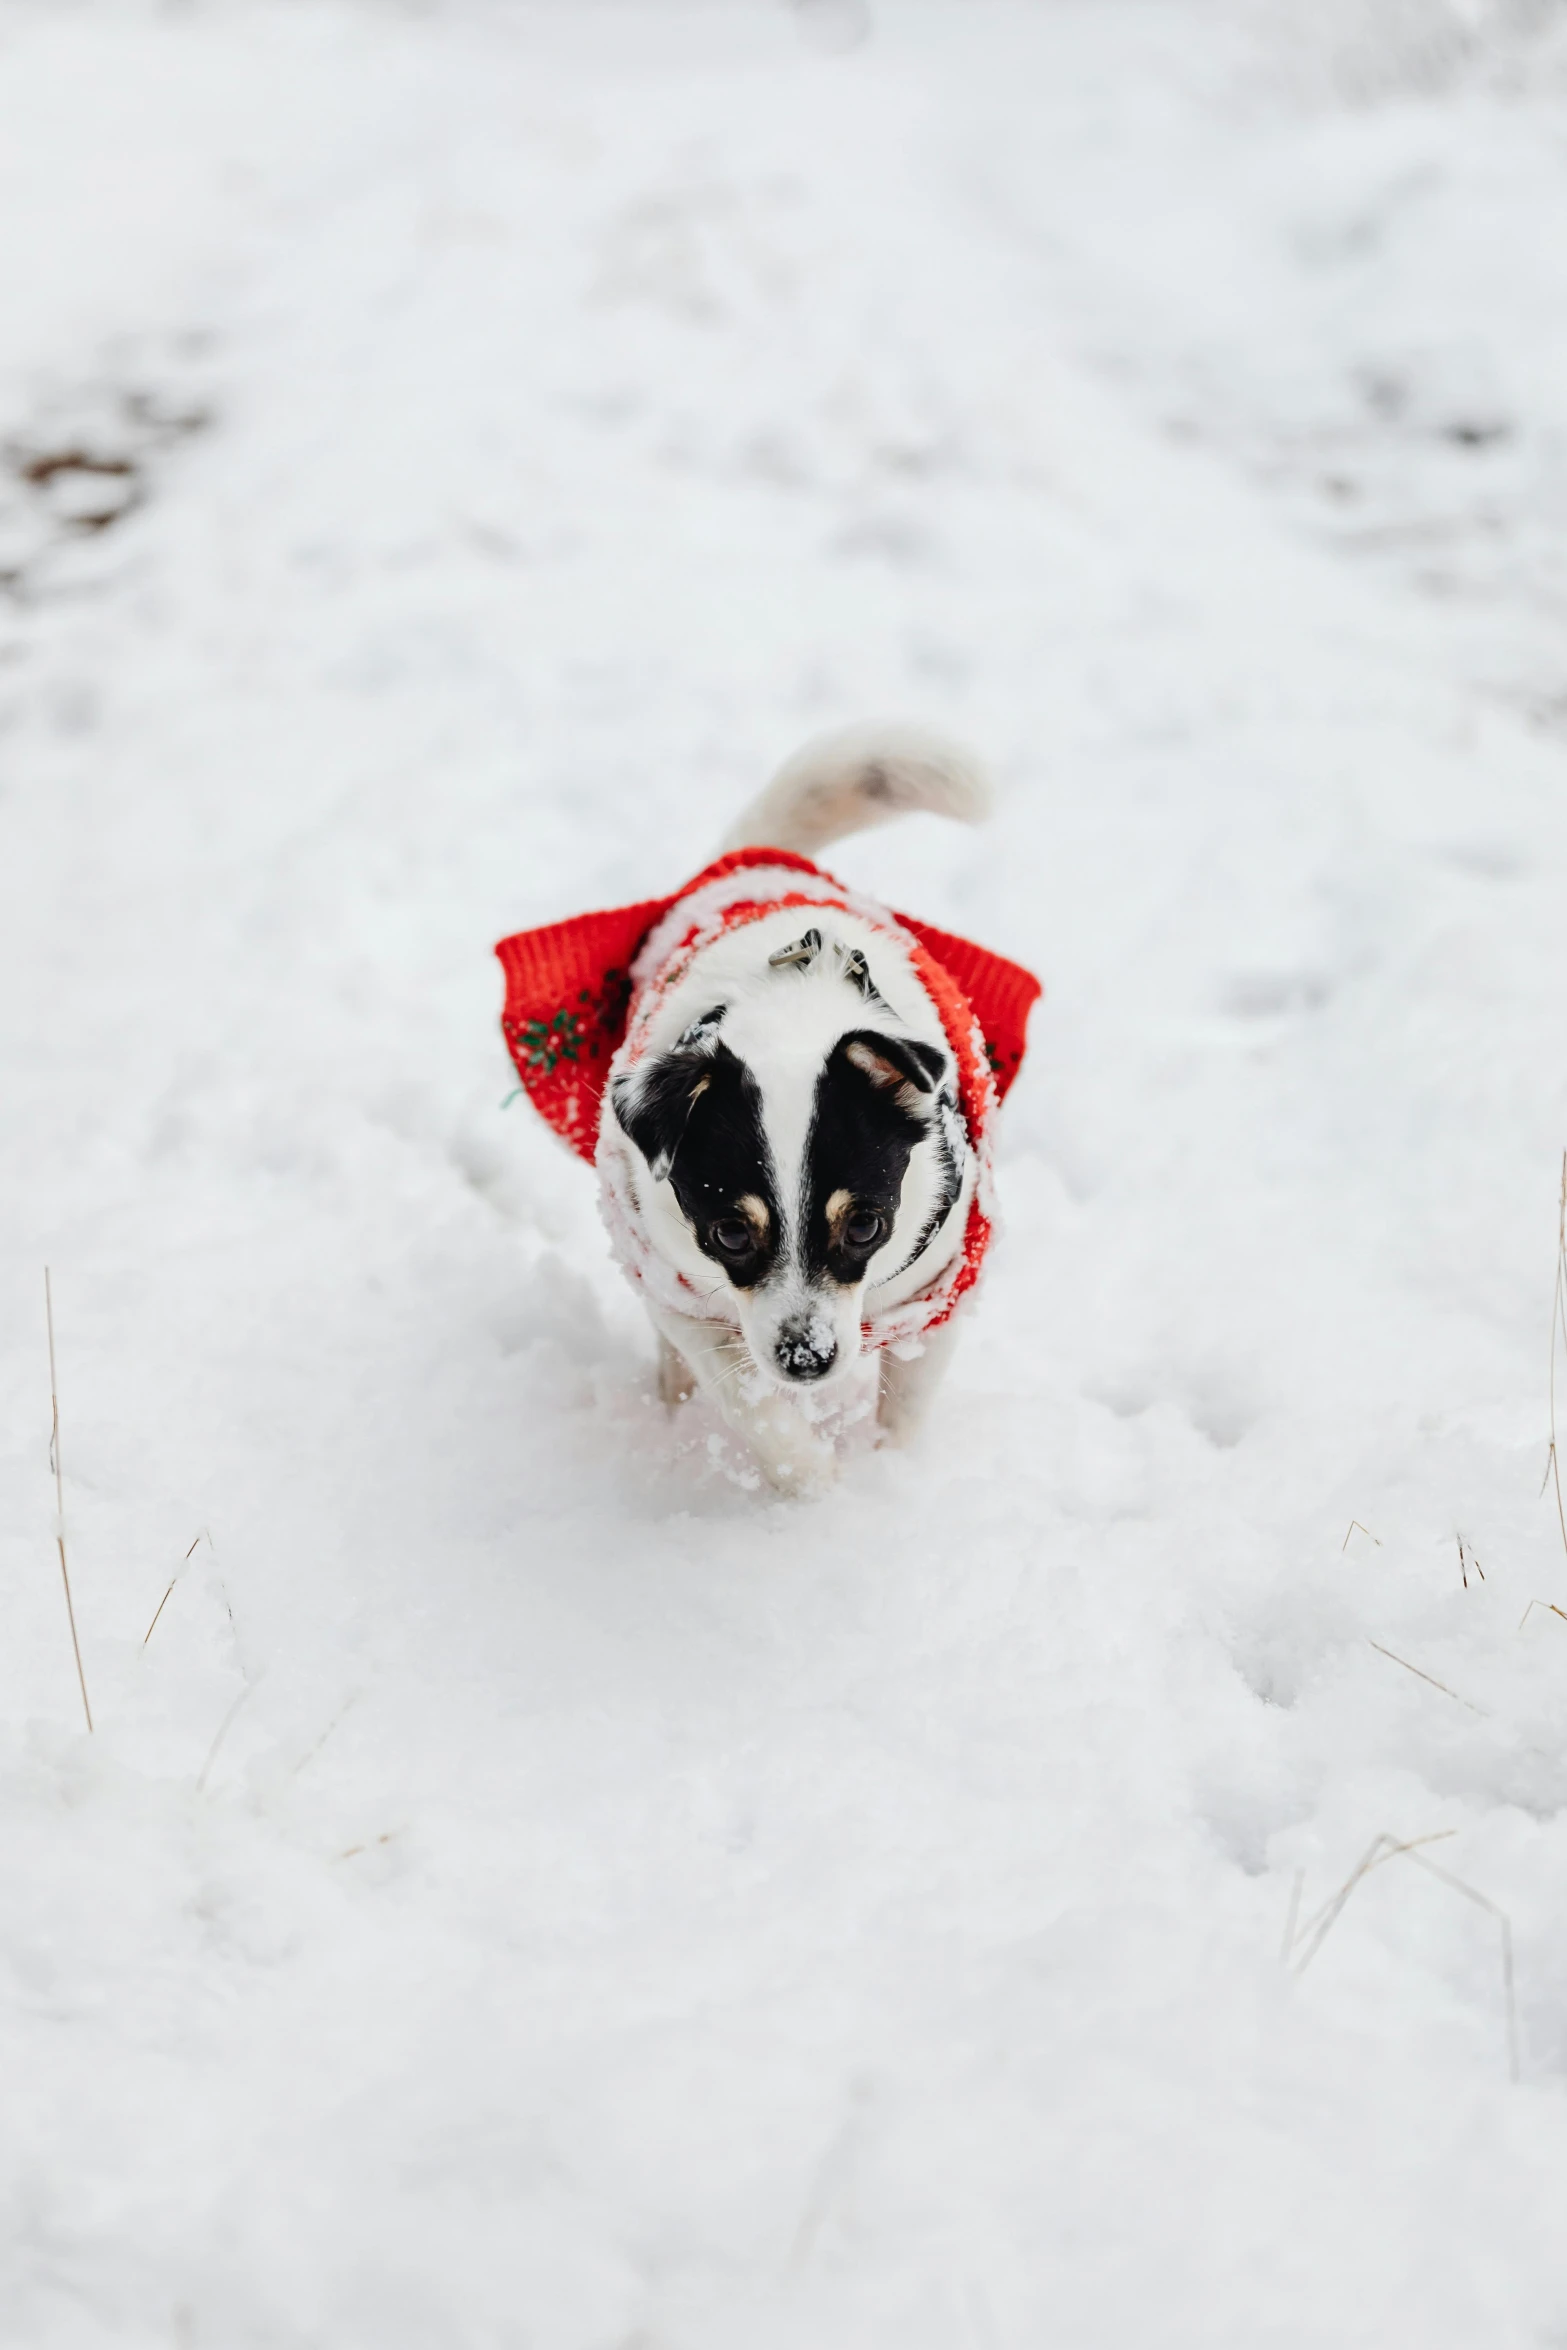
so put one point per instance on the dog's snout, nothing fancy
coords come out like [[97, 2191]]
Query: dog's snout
[[804, 1352]]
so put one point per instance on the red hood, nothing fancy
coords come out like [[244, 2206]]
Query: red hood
[[568, 996]]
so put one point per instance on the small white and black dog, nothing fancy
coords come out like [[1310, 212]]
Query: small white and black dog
[[793, 1130]]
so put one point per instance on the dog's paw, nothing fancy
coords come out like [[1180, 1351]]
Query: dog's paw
[[789, 1454], [802, 1484]]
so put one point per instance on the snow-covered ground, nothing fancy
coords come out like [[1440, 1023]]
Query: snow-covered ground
[[531, 1891]]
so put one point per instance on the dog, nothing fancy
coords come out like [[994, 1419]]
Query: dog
[[789, 1094]]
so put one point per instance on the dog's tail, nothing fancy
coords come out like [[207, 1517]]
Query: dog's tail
[[859, 776]]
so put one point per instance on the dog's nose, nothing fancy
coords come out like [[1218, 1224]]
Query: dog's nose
[[803, 1353]]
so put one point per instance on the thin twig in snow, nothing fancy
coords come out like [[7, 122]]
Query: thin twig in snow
[[1545, 1603], [1355, 1527], [1431, 1677], [59, 1493]]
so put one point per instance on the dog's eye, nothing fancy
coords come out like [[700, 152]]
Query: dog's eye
[[863, 1229], [732, 1237]]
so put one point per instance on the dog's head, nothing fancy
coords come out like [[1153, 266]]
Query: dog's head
[[804, 1158]]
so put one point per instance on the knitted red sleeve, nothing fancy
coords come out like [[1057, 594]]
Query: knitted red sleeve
[[1002, 994], [568, 987]]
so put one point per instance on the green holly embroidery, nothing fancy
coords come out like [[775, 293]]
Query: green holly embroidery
[[577, 1032], [549, 1042]]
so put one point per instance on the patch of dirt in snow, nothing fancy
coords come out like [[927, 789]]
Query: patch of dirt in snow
[[79, 463]]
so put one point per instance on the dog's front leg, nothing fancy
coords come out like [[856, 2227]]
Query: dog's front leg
[[908, 1384], [676, 1379], [789, 1453]]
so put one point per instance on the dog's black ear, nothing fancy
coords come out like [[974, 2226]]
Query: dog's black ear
[[702, 1030], [899, 1066], [653, 1103]]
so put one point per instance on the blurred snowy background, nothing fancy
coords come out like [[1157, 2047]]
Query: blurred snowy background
[[531, 1892]]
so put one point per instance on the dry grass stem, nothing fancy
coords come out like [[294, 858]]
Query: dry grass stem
[[831, 2178], [156, 1613], [59, 1495], [1466, 1560], [1483, 1901], [1549, 1604], [1292, 1917], [1383, 1848], [1553, 1459], [1432, 1679], [223, 1731], [311, 1754], [1355, 1527], [164, 1601], [355, 1849]]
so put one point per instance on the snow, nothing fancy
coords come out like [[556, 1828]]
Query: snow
[[531, 1889]]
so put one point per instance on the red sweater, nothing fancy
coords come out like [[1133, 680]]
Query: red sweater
[[572, 992]]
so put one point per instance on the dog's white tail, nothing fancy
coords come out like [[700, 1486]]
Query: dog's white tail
[[860, 776]]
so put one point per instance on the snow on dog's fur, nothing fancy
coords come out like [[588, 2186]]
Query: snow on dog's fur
[[784, 1158]]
